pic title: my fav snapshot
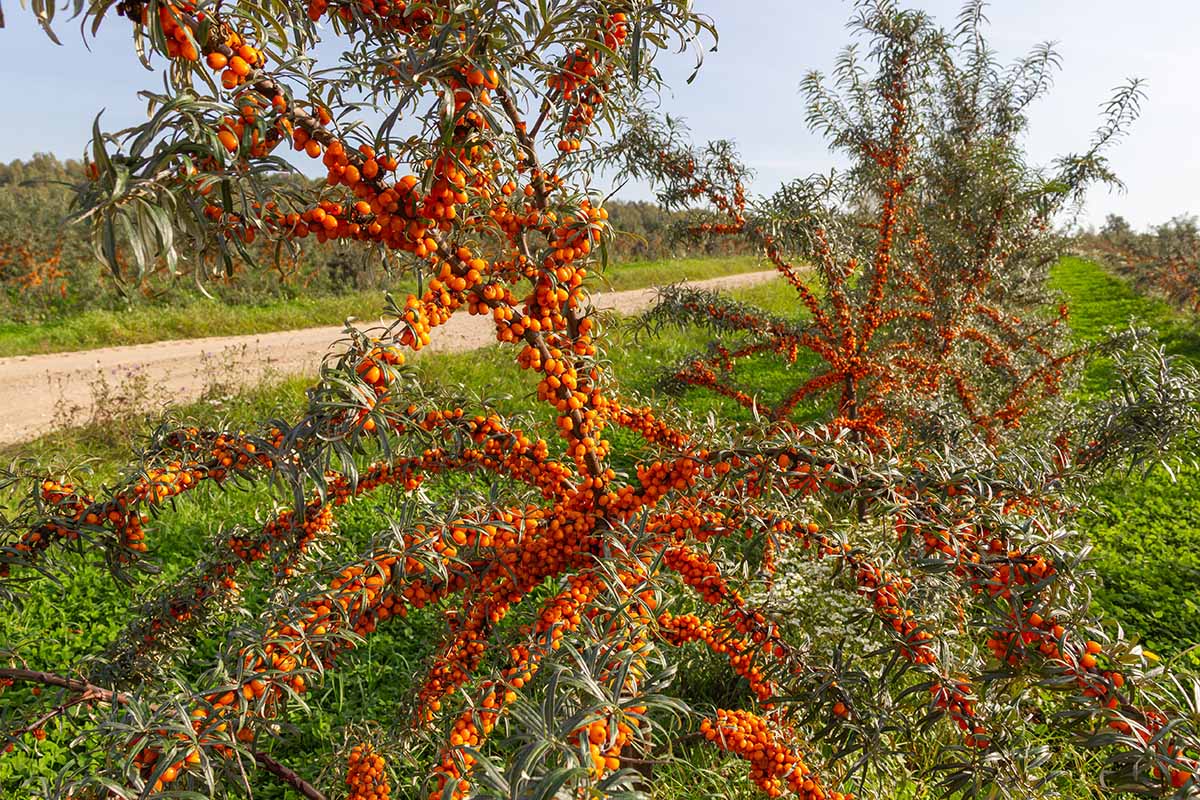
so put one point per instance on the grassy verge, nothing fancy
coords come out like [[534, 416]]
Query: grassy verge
[[191, 319], [199, 317], [639, 274]]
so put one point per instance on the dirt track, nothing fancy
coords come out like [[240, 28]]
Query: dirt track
[[44, 391]]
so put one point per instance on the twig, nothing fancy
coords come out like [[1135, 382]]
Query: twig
[[41, 721], [288, 776], [89, 690]]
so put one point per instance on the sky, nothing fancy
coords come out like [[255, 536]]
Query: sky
[[748, 90]]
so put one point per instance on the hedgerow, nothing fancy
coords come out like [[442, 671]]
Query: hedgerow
[[1164, 261]]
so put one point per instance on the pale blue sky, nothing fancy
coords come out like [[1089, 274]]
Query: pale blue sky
[[747, 90]]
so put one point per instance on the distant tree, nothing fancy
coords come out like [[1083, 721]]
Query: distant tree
[[1116, 226]]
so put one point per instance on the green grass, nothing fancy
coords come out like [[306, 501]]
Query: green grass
[[194, 318], [198, 317], [1146, 530], [639, 274], [638, 360]]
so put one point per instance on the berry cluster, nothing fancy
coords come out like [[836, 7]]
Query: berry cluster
[[366, 776], [774, 767], [582, 82]]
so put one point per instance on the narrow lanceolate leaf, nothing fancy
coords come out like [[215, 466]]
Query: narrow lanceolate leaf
[[107, 245], [99, 153], [549, 785]]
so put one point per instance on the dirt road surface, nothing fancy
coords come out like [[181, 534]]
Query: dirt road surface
[[42, 392]]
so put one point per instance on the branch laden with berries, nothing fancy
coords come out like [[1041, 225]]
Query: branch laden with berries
[[919, 270], [574, 579]]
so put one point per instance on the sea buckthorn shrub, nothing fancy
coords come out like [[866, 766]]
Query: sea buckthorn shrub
[[920, 268], [1164, 261], [37, 264], [573, 580]]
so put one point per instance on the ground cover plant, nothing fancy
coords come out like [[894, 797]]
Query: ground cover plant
[[571, 573]]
